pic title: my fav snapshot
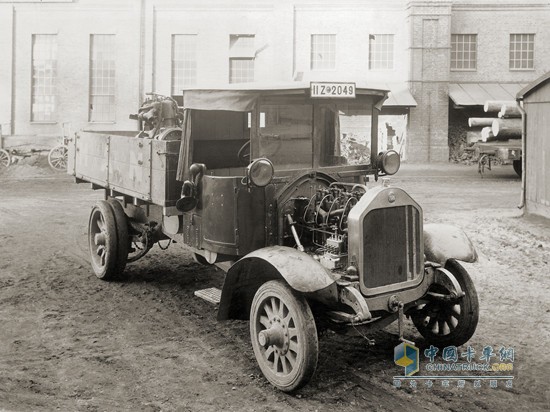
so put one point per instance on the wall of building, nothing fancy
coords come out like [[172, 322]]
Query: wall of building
[[421, 28], [73, 56], [493, 22]]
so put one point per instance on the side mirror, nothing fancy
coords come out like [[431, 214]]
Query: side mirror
[[260, 173], [389, 162]]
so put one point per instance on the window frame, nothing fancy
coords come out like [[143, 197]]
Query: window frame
[[463, 51], [531, 50], [178, 84], [242, 53], [53, 52], [380, 52], [332, 53], [92, 78]]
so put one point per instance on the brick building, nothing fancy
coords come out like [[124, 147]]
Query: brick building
[[86, 64]]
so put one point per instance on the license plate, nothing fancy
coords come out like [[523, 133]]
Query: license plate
[[332, 90]]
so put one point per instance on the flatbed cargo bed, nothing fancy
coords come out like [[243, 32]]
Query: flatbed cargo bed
[[144, 169]]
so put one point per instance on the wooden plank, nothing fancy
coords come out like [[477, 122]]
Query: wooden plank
[[91, 157], [130, 165]]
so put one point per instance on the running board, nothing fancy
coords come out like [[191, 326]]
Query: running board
[[212, 295]]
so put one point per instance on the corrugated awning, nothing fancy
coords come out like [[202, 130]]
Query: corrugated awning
[[399, 96], [476, 94]]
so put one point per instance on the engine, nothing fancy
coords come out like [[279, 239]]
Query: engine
[[319, 224], [161, 118]]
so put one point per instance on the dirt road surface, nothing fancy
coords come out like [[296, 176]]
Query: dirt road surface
[[69, 341]]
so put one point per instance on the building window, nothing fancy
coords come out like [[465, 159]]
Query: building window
[[522, 49], [184, 62], [464, 52], [323, 51], [380, 51], [44, 78], [102, 78], [241, 58]]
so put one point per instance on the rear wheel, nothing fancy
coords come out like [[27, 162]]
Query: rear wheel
[[284, 336], [102, 241], [517, 167], [444, 323], [123, 245]]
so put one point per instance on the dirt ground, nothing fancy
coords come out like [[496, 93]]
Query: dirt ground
[[69, 341]]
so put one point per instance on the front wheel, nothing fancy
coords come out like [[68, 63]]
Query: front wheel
[[445, 323], [284, 336]]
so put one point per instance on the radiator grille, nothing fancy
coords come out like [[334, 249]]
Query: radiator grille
[[392, 250]]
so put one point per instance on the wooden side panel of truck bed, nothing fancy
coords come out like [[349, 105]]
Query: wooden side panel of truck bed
[[141, 168]]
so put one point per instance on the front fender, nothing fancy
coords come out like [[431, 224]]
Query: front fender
[[303, 274], [443, 242]]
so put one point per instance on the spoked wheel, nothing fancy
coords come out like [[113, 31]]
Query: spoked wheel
[[103, 241], [57, 158], [284, 336], [444, 323], [5, 158], [123, 240]]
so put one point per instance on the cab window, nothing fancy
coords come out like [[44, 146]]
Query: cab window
[[286, 135], [346, 134]]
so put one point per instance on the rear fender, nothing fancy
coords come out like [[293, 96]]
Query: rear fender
[[443, 242], [302, 273]]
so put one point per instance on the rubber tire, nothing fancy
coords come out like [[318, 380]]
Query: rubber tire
[[123, 240], [517, 167], [306, 329], [469, 312], [108, 270]]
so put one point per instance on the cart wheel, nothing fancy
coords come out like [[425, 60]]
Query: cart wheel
[[123, 240], [284, 336], [102, 240], [517, 167], [5, 159], [449, 323], [57, 158]]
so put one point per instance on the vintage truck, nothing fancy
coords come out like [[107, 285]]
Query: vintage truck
[[264, 183]]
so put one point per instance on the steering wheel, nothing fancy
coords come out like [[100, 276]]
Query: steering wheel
[[244, 153]]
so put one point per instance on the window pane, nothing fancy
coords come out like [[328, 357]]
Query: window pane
[[323, 51], [102, 78], [184, 62], [522, 51], [241, 70], [44, 78], [381, 51], [286, 135], [463, 51]]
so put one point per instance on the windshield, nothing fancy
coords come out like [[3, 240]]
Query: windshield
[[286, 135], [346, 135], [289, 133]]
